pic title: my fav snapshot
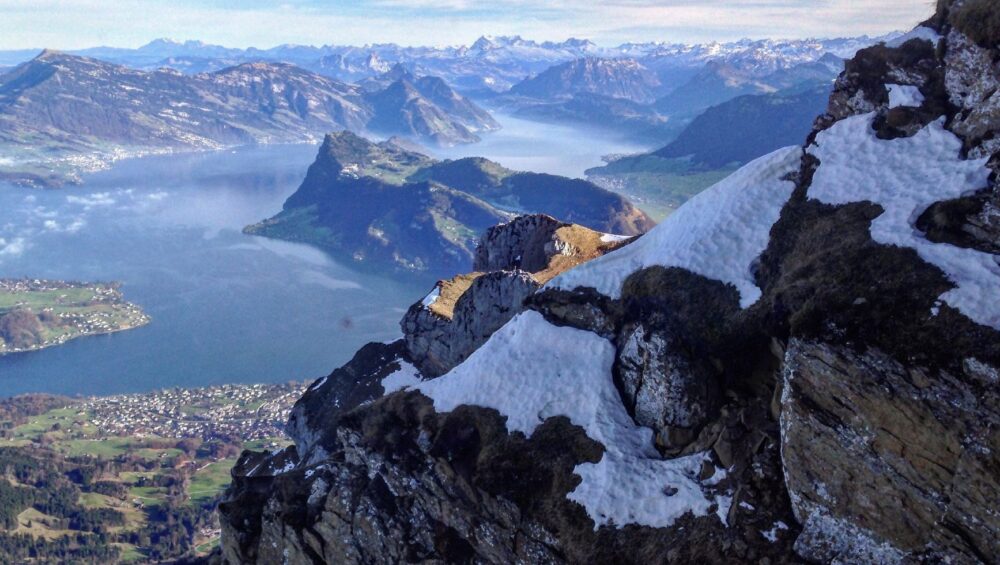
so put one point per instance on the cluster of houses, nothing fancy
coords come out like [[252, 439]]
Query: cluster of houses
[[248, 412]]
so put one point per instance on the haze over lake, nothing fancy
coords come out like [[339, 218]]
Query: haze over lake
[[226, 307], [526, 145]]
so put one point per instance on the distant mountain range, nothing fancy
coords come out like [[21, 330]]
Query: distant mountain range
[[654, 97], [59, 104], [385, 205], [490, 64], [168, 95]]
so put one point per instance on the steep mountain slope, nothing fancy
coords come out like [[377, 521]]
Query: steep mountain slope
[[614, 78], [748, 127], [716, 83], [801, 364], [426, 107], [712, 146], [574, 200], [58, 102], [594, 111], [385, 205]]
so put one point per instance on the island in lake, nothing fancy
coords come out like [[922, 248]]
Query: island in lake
[[35, 313]]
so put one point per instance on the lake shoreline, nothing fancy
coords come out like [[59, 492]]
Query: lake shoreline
[[45, 313]]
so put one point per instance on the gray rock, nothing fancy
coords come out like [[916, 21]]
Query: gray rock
[[527, 243], [902, 456], [661, 388], [437, 344]]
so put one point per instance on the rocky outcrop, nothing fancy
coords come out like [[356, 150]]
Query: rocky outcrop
[[829, 396], [512, 262], [438, 340]]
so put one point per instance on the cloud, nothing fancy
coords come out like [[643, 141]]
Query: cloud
[[43, 212], [70, 24], [12, 247], [72, 227], [93, 200]]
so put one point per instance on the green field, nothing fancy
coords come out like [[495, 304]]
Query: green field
[[111, 468], [209, 481]]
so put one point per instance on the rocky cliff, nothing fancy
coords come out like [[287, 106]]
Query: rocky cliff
[[800, 364]]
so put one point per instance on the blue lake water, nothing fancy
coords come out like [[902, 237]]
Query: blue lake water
[[226, 307]]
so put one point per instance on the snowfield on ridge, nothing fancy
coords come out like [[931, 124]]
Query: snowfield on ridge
[[717, 234]]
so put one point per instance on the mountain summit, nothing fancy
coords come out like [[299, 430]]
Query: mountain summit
[[383, 205], [616, 78]]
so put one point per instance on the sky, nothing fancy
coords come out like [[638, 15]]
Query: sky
[[75, 24]]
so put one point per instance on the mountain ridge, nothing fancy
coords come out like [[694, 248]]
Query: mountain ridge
[[65, 105], [343, 206]]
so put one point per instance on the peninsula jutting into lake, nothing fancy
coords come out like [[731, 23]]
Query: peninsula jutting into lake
[[35, 313]]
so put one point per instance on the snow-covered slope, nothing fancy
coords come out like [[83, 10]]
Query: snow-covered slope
[[718, 233], [570, 375], [905, 176]]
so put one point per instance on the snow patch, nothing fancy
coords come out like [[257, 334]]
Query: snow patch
[[717, 234], [725, 503], [921, 32], [612, 238], [432, 297], [407, 376], [905, 176], [530, 370], [772, 534], [904, 95]]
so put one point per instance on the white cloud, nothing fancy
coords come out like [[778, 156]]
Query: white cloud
[[92, 200], [72, 227], [12, 247], [71, 24]]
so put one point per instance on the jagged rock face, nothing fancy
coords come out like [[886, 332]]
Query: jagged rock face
[[972, 80], [512, 261], [357, 382], [527, 243], [437, 343], [663, 390], [856, 426], [541, 245], [853, 402]]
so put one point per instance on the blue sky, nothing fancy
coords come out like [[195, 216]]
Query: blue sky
[[71, 24]]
